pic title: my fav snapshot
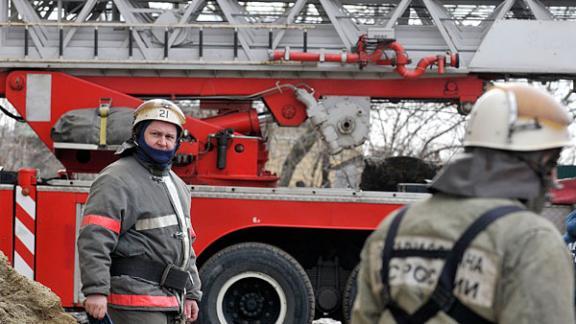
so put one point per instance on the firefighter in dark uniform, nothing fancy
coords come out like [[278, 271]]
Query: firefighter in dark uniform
[[477, 251], [135, 245]]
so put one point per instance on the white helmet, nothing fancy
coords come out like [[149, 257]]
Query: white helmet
[[159, 109], [518, 117]]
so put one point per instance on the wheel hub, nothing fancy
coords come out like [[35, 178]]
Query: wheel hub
[[252, 299], [251, 304]]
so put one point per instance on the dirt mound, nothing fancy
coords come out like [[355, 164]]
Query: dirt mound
[[25, 301]]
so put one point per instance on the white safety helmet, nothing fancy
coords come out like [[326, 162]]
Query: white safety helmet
[[159, 109], [518, 117]]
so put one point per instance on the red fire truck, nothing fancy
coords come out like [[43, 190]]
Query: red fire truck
[[266, 254], [295, 247], [263, 251]]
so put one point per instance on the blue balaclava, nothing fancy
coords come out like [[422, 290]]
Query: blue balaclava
[[158, 158], [570, 235]]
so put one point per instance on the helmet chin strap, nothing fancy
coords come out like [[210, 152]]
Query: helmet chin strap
[[543, 166]]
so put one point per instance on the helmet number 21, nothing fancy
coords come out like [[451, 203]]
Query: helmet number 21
[[163, 113]]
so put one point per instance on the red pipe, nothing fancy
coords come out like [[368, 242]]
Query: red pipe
[[441, 62], [245, 122], [401, 56], [27, 179], [401, 59], [419, 70], [315, 57]]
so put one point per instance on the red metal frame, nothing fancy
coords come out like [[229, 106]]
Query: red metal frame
[[213, 219], [26, 216], [56, 223], [56, 241], [7, 222], [246, 156], [287, 110], [565, 193], [68, 93], [232, 215]]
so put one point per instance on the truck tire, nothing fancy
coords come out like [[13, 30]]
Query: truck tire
[[350, 291], [255, 283]]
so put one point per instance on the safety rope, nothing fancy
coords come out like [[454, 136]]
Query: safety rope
[[11, 115]]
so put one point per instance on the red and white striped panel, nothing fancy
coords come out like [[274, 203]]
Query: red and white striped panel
[[25, 233]]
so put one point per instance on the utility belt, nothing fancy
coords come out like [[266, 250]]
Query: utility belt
[[168, 276]]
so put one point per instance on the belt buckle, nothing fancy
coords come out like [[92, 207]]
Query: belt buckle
[[165, 273]]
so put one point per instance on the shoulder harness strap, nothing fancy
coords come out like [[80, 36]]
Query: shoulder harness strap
[[442, 298], [398, 313]]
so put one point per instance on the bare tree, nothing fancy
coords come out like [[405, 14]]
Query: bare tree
[[22, 148], [434, 132], [297, 153], [428, 131]]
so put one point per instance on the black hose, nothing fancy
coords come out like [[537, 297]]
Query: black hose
[[11, 115]]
